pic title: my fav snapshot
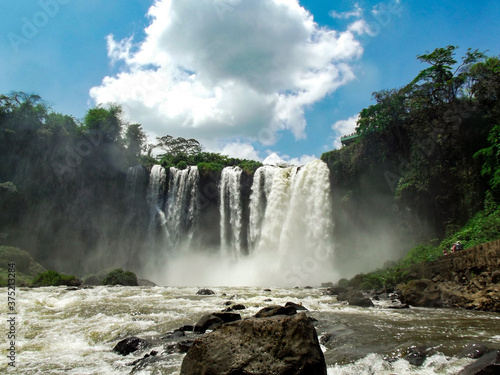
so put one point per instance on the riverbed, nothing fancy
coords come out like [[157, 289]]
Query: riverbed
[[61, 331]]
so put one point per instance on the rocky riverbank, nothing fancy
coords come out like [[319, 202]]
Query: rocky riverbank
[[468, 279]]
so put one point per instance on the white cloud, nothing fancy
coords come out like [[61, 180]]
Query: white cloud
[[344, 127], [240, 150], [211, 75], [274, 159], [357, 12], [361, 27]]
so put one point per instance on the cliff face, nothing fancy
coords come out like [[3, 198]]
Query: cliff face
[[469, 278]]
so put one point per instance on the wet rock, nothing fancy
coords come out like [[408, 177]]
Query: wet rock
[[495, 277], [130, 345], [207, 322], [145, 282], [215, 320], [488, 364], [238, 307], [324, 339], [296, 306], [334, 291], [360, 302], [421, 293], [228, 303], [355, 298], [399, 307], [184, 346], [205, 292], [186, 328], [269, 311], [416, 355], [267, 290], [473, 351], [308, 287], [268, 300], [276, 345], [227, 317], [152, 354], [173, 335]]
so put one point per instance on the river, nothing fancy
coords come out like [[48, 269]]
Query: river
[[59, 331]]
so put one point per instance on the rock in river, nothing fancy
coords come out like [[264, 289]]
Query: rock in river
[[275, 345]]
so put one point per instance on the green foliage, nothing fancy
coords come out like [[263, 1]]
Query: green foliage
[[9, 187], [491, 157], [120, 277], [209, 168], [208, 162], [421, 139], [53, 278], [25, 266], [344, 283], [386, 278], [482, 228], [181, 165], [104, 121], [178, 146], [135, 141], [420, 253], [249, 166]]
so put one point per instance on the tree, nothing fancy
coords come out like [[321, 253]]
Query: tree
[[106, 122], [178, 146], [442, 82], [135, 141]]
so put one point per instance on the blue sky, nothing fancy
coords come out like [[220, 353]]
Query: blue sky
[[249, 78]]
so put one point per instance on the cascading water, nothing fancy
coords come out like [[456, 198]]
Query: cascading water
[[156, 200], [260, 191], [182, 205], [231, 212], [276, 233], [308, 221], [294, 223], [136, 179], [277, 209]]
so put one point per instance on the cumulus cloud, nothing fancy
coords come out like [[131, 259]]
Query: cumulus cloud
[[226, 70], [240, 150], [357, 12], [344, 127], [361, 27], [274, 159]]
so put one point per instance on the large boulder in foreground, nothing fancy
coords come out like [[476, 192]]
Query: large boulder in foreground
[[275, 345]]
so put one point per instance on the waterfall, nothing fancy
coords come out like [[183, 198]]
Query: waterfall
[[259, 194], [156, 200], [231, 212], [182, 205], [276, 231], [308, 222], [276, 209], [136, 180]]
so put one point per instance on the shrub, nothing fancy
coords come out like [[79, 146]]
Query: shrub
[[207, 168], [344, 283], [181, 165], [53, 278], [120, 277]]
